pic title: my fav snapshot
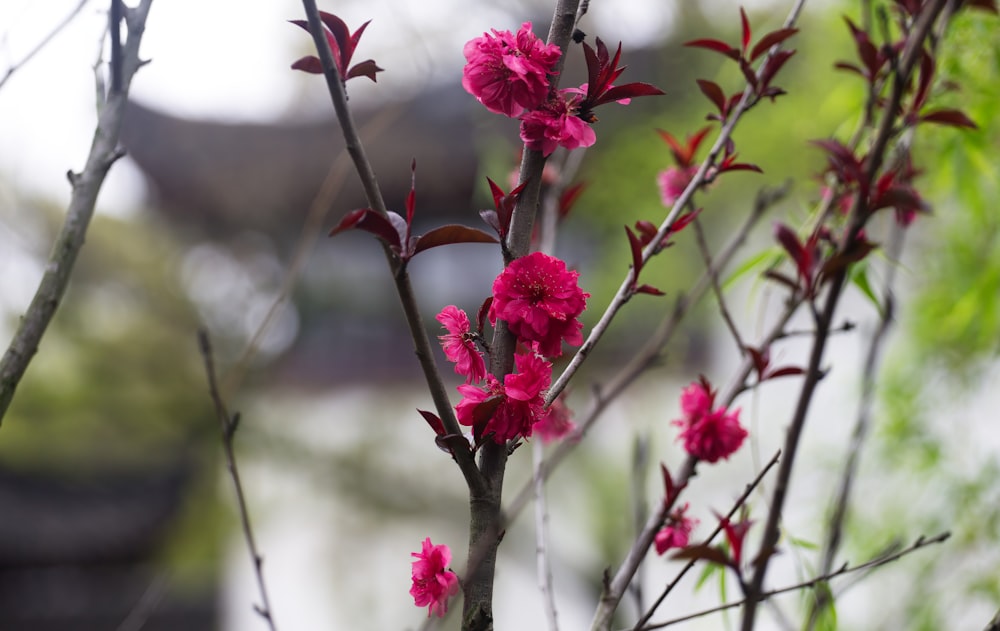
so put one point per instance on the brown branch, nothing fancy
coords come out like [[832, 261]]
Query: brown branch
[[921, 542], [859, 215], [421, 342], [708, 540], [651, 351], [727, 317], [104, 151], [227, 427]]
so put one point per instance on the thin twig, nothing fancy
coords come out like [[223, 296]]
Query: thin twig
[[543, 560], [706, 256], [104, 152], [740, 501], [43, 43], [640, 507], [227, 426], [921, 542]]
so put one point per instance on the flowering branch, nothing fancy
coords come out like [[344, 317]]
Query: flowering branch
[[355, 148], [228, 425], [739, 503], [700, 177], [921, 542], [859, 215], [104, 152], [651, 351]]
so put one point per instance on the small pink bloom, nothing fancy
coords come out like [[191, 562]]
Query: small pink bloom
[[555, 124], [557, 423], [676, 533], [433, 583], [540, 300], [460, 345], [672, 183], [509, 73], [708, 435], [521, 401]]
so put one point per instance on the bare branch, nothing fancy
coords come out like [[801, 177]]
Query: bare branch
[[227, 426], [879, 561], [104, 151], [42, 44]]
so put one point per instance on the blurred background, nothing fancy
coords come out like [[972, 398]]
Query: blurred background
[[116, 512]]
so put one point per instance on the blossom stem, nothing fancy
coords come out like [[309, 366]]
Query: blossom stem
[[625, 290], [421, 341]]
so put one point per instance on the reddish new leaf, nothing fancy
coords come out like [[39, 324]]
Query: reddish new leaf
[[433, 420], [771, 39], [370, 221], [786, 371], [703, 552], [715, 95], [452, 233], [310, 64], [954, 118], [649, 289], [569, 197], [366, 68], [746, 31], [484, 311], [716, 45], [635, 245], [628, 91]]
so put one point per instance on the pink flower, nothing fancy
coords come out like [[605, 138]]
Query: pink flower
[[672, 183], [509, 73], [432, 582], [540, 300], [517, 404], [460, 345], [708, 435], [676, 533], [555, 124], [557, 423]]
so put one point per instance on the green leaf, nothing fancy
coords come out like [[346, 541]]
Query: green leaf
[[763, 260], [859, 278]]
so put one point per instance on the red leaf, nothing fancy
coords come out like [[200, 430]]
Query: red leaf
[[760, 360], [786, 371], [742, 166], [748, 73], [569, 197], [636, 247], [769, 40], [433, 420], [366, 68], [703, 553], [370, 221], [843, 65], [954, 118], [411, 197], [484, 311], [310, 64], [714, 94], [649, 289], [716, 45], [453, 233], [628, 91], [746, 30], [668, 484], [773, 65]]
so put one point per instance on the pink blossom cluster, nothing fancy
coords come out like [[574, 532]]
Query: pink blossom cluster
[[541, 301], [433, 582], [677, 531], [708, 434], [509, 74]]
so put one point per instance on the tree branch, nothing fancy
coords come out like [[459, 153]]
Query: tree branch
[[227, 426], [104, 151]]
